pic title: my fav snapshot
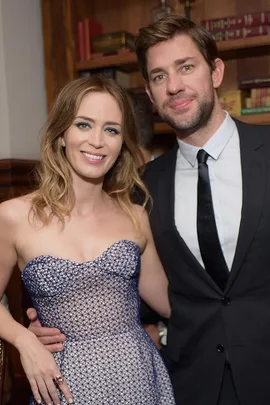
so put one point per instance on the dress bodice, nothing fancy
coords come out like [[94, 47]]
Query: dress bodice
[[87, 299]]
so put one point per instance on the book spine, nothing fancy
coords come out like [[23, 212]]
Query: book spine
[[237, 21], [81, 42], [87, 39], [242, 33], [255, 110], [256, 83], [95, 28]]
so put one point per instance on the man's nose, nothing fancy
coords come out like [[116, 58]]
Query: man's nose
[[175, 84]]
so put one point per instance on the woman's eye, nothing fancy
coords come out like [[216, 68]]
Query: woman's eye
[[113, 131], [82, 125]]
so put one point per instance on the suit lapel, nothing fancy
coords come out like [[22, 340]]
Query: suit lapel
[[254, 186], [165, 206]]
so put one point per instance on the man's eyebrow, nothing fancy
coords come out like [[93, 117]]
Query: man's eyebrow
[[176, 62], [184, 60]]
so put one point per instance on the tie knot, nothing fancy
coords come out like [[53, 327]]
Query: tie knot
[[202, 156]]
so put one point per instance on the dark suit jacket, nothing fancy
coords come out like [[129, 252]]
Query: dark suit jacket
[[209, 327]]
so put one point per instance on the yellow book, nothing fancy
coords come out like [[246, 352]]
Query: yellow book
[[233, 101]]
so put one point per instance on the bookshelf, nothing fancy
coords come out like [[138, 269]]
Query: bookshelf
[[244, 43], [128, 62], [250, 56], [260, 119], [125, 62]]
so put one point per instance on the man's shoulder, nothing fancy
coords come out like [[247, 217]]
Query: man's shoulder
[[252, 129]]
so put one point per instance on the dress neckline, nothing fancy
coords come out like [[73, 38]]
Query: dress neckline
[[77, 263]]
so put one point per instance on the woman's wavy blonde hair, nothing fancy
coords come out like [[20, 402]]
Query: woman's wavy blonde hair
[[54, 196]]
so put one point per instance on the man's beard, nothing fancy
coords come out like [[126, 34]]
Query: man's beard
[[199, 119]]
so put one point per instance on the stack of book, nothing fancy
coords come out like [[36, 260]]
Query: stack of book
[[252, 97], [87, 29], [93, 43], [123, 78], [239, 26], [258, 101]]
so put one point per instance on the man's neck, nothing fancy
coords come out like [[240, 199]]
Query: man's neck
[[202, 135]]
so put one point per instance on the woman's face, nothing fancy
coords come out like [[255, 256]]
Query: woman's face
[[93, 141]]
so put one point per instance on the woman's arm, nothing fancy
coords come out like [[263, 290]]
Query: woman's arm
[[153, 283], [39, 365]]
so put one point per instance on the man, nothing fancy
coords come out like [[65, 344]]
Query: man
[[211, 222]]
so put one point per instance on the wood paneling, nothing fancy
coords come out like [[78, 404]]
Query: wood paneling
[[16, 178]]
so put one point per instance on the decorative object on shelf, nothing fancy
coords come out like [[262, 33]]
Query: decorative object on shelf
[[187, 7], [112, 42], [233, 101], [158, 11]]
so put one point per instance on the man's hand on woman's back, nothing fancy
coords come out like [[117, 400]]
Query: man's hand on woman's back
[[52, 338]]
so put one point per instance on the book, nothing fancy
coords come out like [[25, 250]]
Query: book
[[251, 102], [258, 98], [237, 21], [241, 33], [91, 28], [258, 93], [233, 101], [255, 110], [81, 42], [86, 29], [112, 42], [254, 82], [123, 78]]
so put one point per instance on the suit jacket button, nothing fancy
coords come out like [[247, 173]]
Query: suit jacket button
[[226, 300], [220, 348]]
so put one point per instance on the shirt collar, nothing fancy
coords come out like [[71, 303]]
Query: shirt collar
[[214, 146]]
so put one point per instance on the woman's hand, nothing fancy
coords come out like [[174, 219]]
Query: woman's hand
[[42, 372]]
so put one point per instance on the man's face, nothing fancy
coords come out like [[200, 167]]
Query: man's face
[[181, 84]]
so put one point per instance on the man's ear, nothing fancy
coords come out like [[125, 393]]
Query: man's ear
[[218, 73], [148, 92]]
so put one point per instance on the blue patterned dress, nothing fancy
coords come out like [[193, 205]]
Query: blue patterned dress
[[108, 358]]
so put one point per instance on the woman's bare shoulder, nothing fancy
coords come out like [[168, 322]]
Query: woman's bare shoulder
[[141, 212], [14, 210]]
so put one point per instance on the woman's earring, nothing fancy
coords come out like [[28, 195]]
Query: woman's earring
[[63, 143]]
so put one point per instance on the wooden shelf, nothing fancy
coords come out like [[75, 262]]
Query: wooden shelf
[[244, 43], [162, 128], [128, 61], [260, 119]]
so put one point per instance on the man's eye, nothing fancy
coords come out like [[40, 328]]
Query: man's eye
[[158, 78], [187, 68]]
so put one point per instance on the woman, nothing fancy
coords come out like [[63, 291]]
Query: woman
[[79, 241]]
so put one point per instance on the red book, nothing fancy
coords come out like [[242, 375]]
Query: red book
[[81, 43], [91, 28], [242, 33], [237, 21]]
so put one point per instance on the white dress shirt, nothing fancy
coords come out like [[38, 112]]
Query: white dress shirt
[[225, 175]]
